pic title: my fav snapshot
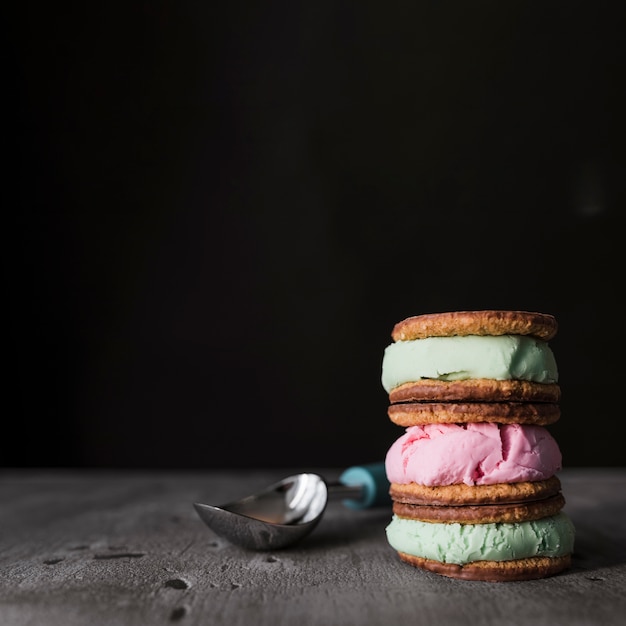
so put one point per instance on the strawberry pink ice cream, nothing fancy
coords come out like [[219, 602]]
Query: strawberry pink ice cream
[[474, 454]]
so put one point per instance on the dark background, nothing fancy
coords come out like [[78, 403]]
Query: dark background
[[218, 213]]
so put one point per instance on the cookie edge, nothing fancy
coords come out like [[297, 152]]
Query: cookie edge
[[478, 322], [493, 571]]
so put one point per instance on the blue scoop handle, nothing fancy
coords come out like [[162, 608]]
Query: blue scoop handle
[[372, 479]]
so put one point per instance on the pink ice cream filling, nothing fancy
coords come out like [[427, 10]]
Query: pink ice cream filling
[[474, 454]]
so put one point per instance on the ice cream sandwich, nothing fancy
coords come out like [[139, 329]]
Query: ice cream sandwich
[[473, 477], [473, 356], [496, 552]]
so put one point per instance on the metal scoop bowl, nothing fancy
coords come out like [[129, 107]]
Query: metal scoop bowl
[[290, 509]]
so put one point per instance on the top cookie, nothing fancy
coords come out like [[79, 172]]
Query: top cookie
[[488, 322]]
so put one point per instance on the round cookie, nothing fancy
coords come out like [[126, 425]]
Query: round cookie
[[501, 513], [414, 413], [487, 322], [463, 495], [475, 390], [494, 571]]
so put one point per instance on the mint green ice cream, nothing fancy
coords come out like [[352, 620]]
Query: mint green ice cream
[[463, 543], [504, 357]]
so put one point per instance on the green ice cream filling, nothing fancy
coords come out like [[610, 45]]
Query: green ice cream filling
[[463, 543], [505, 357]]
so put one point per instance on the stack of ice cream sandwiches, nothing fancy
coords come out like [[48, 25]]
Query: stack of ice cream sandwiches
[[473, 478]]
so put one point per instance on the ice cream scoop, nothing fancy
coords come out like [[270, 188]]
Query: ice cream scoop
[[290, 509], [506, 357], [474, 454], [551, 536]]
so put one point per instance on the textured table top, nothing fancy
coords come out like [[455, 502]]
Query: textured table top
[[127, 547]]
